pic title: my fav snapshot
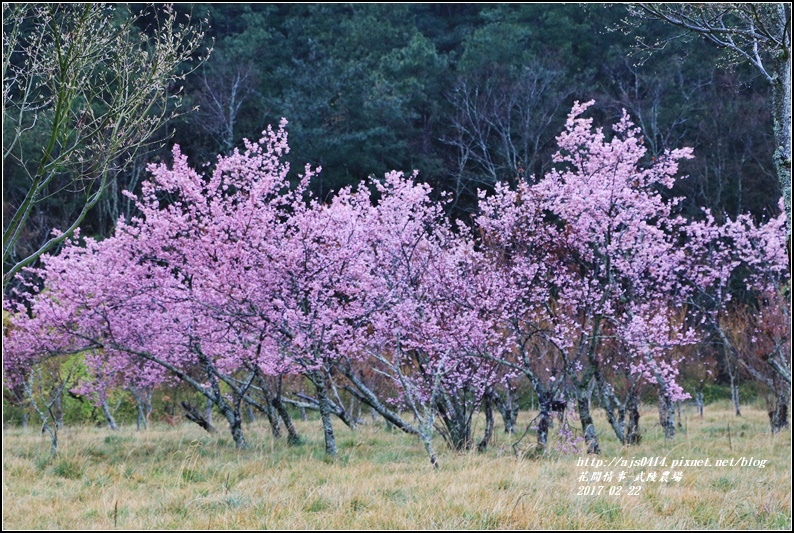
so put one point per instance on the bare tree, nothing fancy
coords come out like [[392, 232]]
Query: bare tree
[[754, 32], [223, 93], [500, 125], [643, 93], [83, 91]]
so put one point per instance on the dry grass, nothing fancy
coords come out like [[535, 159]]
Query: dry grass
[[182, 478]]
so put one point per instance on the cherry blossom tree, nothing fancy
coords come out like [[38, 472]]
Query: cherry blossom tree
[[519, 246], [325, 295], [234, 277], [168, 287], [419, 334], [753, 256], [592, 251]]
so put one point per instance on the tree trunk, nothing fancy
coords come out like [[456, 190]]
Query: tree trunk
[[272, 418], [486, 438], [303, 411], [508, 408], [58, 408], [140, 422], [268, 407], [365, 395], [544, 421], [590, 438], [53, 431], [667, 415], [452, 409], [633, 435], [109, 416], [699, 402], [355, 410], [732, 373], [143, 403], [192, 414], [583, 405], [292, 435], [232, 413], [614, 409], [208, 410], [339, 407], [318, 379], [236, 425], [778, 418], [431, 453], [735, 393], [781, 113]]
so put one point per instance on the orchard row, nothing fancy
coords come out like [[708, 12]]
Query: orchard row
[[585, 281]]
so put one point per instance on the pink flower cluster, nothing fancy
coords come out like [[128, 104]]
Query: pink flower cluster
[[586, 273]]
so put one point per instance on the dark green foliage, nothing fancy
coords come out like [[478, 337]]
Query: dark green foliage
[[369, 88]]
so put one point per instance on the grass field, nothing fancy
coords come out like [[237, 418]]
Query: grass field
[[183, 478]]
